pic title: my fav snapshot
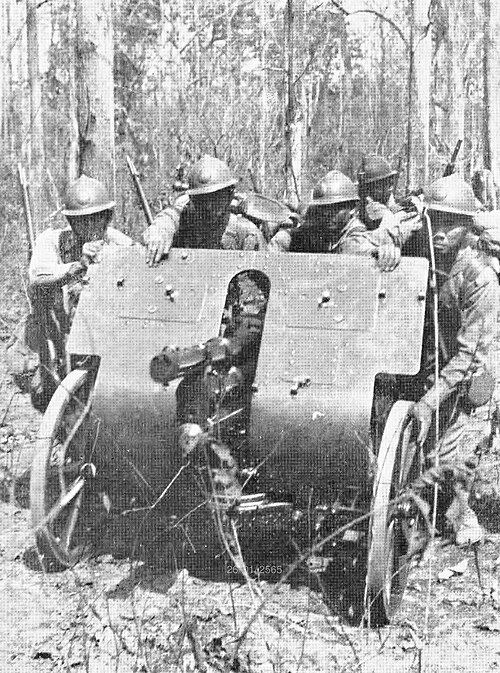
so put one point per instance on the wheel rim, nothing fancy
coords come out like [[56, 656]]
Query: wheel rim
[[62, 473], [388, 566]]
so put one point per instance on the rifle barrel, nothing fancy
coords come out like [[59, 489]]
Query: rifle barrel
[[140, 191], [30, 234]]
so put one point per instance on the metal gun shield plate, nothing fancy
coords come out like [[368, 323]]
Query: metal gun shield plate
[[333, 320]]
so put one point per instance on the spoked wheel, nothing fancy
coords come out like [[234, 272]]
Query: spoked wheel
[[61, 488], [388, 563]]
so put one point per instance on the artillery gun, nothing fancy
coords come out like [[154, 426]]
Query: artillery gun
[[307, 457]]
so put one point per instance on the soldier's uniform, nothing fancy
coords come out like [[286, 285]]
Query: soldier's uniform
[[332, 222], [327, 220], [187, 225], [469, 303], [55, 281]]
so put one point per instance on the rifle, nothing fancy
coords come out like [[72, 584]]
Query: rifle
[[140, 191], [450, 166], [30, 235], [362, 190]]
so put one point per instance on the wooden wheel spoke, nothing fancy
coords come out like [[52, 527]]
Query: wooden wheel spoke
[[57, 509], [387, 566], [62, 470], [72, 520]]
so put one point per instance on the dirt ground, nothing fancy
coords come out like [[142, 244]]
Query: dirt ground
[[110, 614]]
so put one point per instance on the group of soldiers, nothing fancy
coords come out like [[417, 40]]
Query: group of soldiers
[[465, 242]]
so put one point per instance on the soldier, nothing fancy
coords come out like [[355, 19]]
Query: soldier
[[59, 262], [332, 224], [378, 209], [468, 308], [202, 217]]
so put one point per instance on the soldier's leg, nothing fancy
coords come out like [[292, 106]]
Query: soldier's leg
[[456, 480]]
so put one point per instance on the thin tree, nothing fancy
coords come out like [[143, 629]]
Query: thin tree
[[294, 120], [36, 153], [95, 90], [419, 92], [492, 88]]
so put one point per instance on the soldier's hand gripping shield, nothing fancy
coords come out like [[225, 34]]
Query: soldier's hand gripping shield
[[281, 434]]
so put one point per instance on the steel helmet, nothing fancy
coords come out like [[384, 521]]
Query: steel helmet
[[377, 168], [335, 187], [209, 175], [86, 196], [451, 195]]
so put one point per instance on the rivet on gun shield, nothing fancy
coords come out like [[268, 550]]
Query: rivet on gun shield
[[170, 292], [324, 298]]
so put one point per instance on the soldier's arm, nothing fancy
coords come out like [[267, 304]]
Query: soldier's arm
[[45, 269], [281, 241], [475, 337], [381, 243], [116, 237], [241, 234], [159, 236]]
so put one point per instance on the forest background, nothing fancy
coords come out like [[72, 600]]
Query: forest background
[[283, 91]]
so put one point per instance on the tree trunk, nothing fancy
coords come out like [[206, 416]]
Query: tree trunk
[[492, 89], [294, 119], [37, 177], [73, 158], [264, 97], [4, 60], [421, 45], [95, 90], [456, 47]]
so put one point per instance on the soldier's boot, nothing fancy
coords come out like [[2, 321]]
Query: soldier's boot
[[467, 529]]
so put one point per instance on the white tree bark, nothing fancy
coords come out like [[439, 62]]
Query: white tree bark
[[492, 98], [36, 153], [95, 90], [419, 158], [294, 117]]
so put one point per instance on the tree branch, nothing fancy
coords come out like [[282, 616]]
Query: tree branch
[[375, 13]]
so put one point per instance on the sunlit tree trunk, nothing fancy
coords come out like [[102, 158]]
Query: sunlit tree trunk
[[73, 158], [294, 117], [492, 88], [421, 84], [95, 90], [36, 154], [454, 121], [4, 60], [263, 127]]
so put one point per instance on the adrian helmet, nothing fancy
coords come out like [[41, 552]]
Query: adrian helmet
[[335, 187], [86, 196], [451, 195], [210, 175], [377, 169]]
